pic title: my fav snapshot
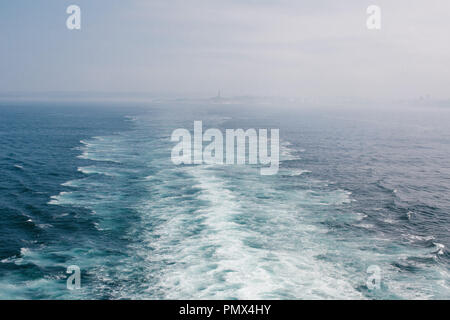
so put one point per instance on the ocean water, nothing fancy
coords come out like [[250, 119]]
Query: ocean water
[[94, 186]]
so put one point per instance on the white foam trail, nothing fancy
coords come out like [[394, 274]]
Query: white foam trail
[[226, 232], [219, 262]]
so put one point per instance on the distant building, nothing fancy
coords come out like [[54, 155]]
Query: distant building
[[217, 98]]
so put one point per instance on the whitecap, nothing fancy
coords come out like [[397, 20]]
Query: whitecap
[[70, 183], [360, 216], [410, 215], [56, 199], [298, 172], [44, 225], [365, 225], [287, 153], [130, 118], [94, 170], [439, 247]]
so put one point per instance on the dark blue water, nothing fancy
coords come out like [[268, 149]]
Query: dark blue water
[[94, 186]]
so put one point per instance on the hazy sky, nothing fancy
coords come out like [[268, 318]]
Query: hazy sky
[[244, 47]]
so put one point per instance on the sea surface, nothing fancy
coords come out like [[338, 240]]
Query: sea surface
[[93, 185]]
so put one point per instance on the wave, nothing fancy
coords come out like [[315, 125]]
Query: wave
[[210, 232], [287, 153], [58, 199], [297, 172], [97, 170]]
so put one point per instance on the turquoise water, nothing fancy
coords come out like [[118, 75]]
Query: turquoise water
[[94, 186]]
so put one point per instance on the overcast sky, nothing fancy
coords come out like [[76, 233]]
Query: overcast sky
[[244, 47]]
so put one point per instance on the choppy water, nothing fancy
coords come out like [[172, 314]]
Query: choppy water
[[95, 187]]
